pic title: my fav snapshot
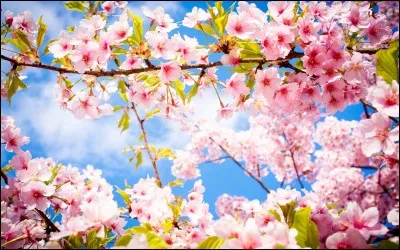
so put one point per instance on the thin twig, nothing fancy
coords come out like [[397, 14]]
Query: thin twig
[[147, 147], [372, 107]]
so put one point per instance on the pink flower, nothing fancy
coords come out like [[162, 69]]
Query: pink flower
[[378, 135], [161, 46], [186, 48], [120, 30], [20, 161], [36, 169], [280, 8], [9, 17], [170, 71], [351, 239], [13, 139], [25, 22], [284, 36], [195, 17], [35, 195], [139, 94], [334, 101], [62, 46], [357, 69], [225, 112], [358, 17], [385, 98], [85, 56], [108, 7], [85, 105], [233, 58], [378, 31], [367, 222], [100, 211], [131, 63], [96, 23], [248, 238], [239, 25], [104, 47], [308, 29], [236, 85], [267, 82], [269, 44], [313, 65]]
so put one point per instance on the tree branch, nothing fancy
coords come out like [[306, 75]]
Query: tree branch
[[240, 166], [147, 147], [372, 107], [295, 168], [150, 67]]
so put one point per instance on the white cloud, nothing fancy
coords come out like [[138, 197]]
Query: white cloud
[[170, 7], [65, 138]]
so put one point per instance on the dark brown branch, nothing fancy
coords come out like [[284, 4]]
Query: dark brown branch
[[147, 147], [4, 176], [365, 110], [373, 108], [148, 63], [295, 168]]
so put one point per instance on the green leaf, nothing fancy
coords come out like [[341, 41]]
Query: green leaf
[[137, 35], [155, 241], [22, 37], [74, 241], [13, 84], [180, 89], [92, 241], [123, 241], [387, 244], [119, 51], [387, 63], [299, 64], [71, 28], [176, 208], [312, 235], [116, 108], [80, 6], [333, 205], [165, 153], [219, 7], [212, 242], [250, 49], [137, 230], [41, 32], [192, 92], [17, 43], [139, 157], [124, 196], [244, 67], [206, 28], [124, 122], [167, 225], [175, 183], [307, 231], [221, 22], [152, 113], [288, 212], [275, 214]]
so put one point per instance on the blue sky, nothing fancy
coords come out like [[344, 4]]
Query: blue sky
[[56, 133]]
